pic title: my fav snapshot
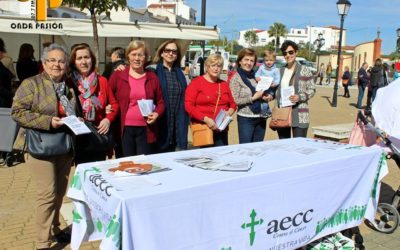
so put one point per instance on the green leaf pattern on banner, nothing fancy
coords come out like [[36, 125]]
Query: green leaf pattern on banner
[[382, 161], [113, 231], [76, 217], [99, 226], [76, 182]]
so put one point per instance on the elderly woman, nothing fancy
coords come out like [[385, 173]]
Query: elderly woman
[[134, 83], [251, 125], [300, 77], [206, 95], [94, 96], [173, 125], [40, 103]]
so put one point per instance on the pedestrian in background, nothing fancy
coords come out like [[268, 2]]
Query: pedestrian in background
[[346, 79], [206, 95], [27, 66], [138, 133], [40, 102], [321, 73], [117, 59], [300, 77], [328, 73], [362, 81], [6, 77]]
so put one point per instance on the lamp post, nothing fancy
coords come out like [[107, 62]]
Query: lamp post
[[319, 42], [398, 40], [203, 43], [343, 9]]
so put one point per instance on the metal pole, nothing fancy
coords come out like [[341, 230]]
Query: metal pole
[[203, 43], [335, 88]]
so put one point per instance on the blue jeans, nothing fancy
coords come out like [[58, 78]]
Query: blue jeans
[[251, 129], [361, 90]]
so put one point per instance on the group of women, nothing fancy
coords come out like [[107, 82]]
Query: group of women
[[70, 85]]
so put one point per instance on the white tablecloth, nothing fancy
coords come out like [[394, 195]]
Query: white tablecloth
[[298, 190]]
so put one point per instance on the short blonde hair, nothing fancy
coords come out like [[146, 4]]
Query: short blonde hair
[[270, 54], [137, 44], [214, 58]]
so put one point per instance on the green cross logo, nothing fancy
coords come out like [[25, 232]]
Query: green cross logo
[[251, 225]]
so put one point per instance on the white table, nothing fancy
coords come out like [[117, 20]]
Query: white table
[[298, 190]]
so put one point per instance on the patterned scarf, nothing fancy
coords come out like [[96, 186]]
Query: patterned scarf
[[87, 88], [60, 88]]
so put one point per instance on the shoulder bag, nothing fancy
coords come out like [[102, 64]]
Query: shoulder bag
[[281, 118], [202, 135], [43, 144]]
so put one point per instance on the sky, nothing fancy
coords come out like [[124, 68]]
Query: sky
[[362, 22]]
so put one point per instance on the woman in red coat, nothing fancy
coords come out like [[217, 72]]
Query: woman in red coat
[[206, 95], [138, 133], [95, 95]]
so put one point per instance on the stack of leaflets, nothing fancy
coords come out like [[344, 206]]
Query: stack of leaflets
[[211, 163], [146, 107], [222, 120]]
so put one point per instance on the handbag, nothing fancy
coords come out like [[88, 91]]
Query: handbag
[[345, 81], [281, 118], [202, 135], [94, 141], [44, 144]]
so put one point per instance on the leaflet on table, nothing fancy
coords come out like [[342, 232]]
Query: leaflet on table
[[264, 83], [146, 106], [286, 92], [212, 163], [77, 126], [222, 120]]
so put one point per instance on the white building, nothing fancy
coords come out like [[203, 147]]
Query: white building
[[299, 36], [176, 10]]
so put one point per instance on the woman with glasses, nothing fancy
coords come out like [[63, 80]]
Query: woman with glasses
[[298, 78], [174, 124], [39, 104], [134, 83], [207, 95], [251, 125], [94, 96]]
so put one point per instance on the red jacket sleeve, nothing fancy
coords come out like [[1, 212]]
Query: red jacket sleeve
[[232, 103], [110, 99], [159, 99], [191, 94]]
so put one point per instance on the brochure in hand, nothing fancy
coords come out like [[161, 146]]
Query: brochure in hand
[[265, 83], [222, 119], [77, 126], [146, 106]]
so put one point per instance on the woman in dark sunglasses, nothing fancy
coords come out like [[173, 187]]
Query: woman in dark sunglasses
[[297, 80]]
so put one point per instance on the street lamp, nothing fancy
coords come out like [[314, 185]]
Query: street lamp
[[398, 40], [319, 42], [203, 43], [343, 9]]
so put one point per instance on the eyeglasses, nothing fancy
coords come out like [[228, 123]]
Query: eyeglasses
[[173, 51], [290, 52], [55, 61]]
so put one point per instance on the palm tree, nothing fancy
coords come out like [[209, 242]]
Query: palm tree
[[277, 30], [251, 37]]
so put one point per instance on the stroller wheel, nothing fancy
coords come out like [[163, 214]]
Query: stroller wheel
[[386, 218]]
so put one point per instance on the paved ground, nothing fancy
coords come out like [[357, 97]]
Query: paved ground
[[17, 189]]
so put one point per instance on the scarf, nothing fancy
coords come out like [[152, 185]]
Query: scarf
[[87, 88], [60, 88], [255, 107]]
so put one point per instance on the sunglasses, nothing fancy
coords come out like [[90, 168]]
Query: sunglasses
[[290, 52], [173, 51]]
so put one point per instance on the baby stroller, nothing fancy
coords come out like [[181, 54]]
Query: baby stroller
[[387, 216]]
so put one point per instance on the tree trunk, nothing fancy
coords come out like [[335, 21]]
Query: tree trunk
[[95, 37]]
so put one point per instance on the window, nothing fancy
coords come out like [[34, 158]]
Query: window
[[263, 40]]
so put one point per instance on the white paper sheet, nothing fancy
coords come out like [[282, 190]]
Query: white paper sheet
[[265, 83], [222, 120], [146, 106], [77, 127], [286, 92]]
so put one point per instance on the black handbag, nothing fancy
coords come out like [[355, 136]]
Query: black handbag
[[44, 144], [94, 141]]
